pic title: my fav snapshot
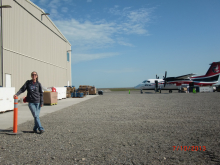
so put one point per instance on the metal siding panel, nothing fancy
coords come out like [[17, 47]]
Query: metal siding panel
[[26, 35]]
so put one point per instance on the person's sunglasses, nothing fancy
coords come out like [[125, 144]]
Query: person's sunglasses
[[34, 75]]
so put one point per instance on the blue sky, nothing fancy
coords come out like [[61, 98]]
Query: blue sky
[[120, 43]]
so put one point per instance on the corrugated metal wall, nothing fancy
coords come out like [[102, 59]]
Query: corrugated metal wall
[[30, 45], [1, 45]]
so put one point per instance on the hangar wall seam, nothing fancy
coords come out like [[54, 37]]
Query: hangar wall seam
[[33, 58]]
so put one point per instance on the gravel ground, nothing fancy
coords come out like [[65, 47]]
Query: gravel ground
[[118, 128]]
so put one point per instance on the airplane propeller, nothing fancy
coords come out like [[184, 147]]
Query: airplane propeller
[[165, 77]]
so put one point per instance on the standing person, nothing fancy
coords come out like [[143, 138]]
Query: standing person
[[34, 99]]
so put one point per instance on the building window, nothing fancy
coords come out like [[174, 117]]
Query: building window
[[68, 56]]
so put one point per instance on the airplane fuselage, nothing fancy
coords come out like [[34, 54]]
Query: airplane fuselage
[[149, 84], [175, 84], [172, 83]]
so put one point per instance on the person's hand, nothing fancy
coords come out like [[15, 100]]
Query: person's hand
[[41, 105], [15, 96]]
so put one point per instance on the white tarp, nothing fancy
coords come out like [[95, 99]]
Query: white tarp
[[6, 98]]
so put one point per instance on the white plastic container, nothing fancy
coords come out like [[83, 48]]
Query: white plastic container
[[6, 98], [61, 92], [206, 89]]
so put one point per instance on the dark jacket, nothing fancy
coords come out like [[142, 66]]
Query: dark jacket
[[34, 92]]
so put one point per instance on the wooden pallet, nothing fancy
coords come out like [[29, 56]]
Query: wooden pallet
[[78, 97]]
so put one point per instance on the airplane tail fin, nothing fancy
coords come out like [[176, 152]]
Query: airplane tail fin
[[214, 69]]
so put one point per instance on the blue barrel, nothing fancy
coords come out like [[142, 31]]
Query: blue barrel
[[77, 94], [81, 95], [73, 94]]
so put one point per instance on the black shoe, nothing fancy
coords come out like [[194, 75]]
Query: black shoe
[[42, 131], [35, 131]]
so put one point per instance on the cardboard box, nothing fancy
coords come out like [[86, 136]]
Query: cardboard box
[[84, 87], [68, 95], [92, 91], [72, 90], [184, 89], [68, 89], [50, 97]]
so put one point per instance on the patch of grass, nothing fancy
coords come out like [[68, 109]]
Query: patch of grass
[[122, 89]]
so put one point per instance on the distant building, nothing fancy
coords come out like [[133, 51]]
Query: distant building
[[31, 42]]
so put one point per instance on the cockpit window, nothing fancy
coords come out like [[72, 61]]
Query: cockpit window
[[145, 81]]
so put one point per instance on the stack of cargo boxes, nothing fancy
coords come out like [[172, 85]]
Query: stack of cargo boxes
[[69, 91], [88, 90], [84, 89], [92, 90]]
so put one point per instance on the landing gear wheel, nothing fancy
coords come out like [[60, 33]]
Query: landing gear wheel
[[141, 91]]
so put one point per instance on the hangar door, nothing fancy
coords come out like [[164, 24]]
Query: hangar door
[[7, 80]]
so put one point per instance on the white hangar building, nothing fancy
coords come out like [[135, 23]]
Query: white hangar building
[[30, 41]]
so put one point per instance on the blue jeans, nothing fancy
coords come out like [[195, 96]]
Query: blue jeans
[[35, 110]]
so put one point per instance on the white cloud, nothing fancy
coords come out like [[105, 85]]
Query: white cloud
[[54, 4], [133, 21], [53, 12], [64, 9], [87, 34], [88, 57], [122, 41], [89, 0], [101, 33], [125, 43], [43, 2]]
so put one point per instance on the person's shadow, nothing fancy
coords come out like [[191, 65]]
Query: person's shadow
[[6, 131]]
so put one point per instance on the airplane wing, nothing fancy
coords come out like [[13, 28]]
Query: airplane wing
[[185, 76]]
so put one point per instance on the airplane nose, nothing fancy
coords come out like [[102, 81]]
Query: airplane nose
[[137, 87]]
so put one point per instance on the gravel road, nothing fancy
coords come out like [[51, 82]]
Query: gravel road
[[118, 128]]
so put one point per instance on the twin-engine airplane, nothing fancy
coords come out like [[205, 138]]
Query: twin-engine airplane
[[174, 83]]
